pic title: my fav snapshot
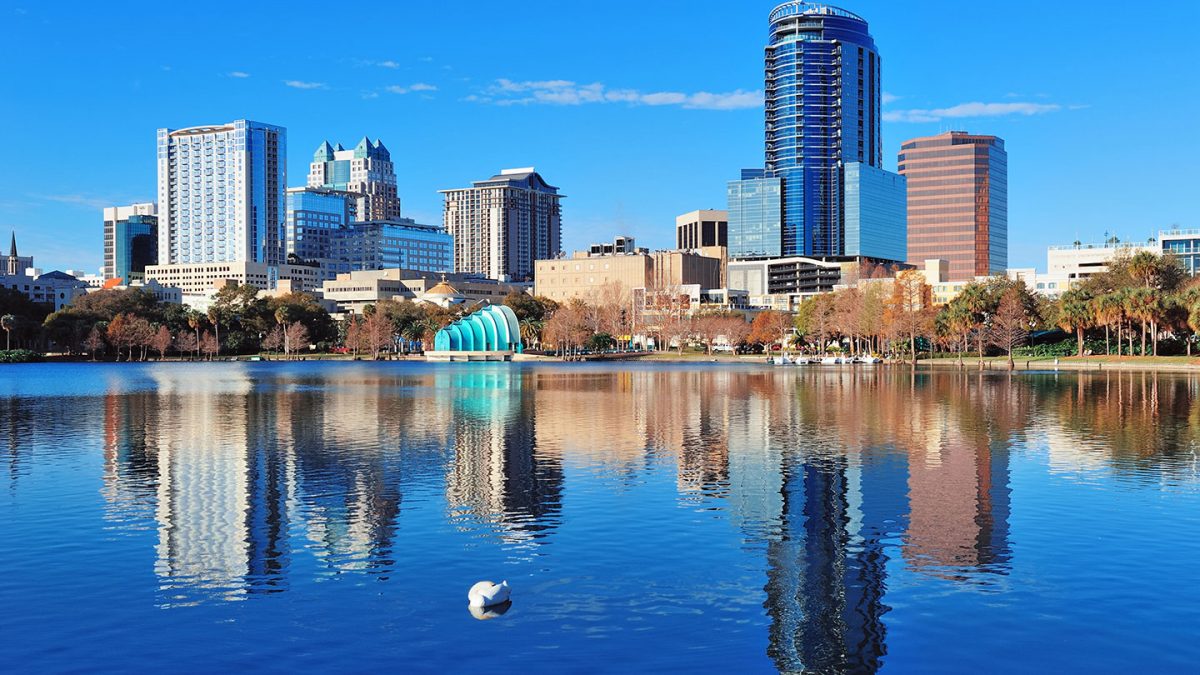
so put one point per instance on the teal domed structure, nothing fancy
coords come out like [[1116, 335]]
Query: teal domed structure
[[491, 333]]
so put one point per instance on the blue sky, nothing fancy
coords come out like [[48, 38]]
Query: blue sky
[[639, 111]]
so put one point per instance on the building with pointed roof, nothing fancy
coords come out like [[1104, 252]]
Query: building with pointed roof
[[366, 170], [503, 224], [15, 265]]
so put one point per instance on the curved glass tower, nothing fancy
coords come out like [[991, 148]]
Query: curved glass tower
[[822, 112]]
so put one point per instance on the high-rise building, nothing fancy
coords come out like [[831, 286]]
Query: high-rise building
[[314, 217], [367, 171], [701, 229], [503, 224], [957, 202], [873, 209], [755, 216], [823, 98], [130, 241], [221, 193]]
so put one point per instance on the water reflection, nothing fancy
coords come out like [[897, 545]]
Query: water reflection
[[837, 476]]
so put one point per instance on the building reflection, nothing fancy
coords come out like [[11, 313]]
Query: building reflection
[[841, 478], [500, 475]]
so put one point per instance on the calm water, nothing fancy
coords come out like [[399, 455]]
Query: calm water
[[667, 518]]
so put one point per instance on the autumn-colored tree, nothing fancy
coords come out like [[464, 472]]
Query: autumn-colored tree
[[736, 329], [95, 341], [377, 333], [910, 309], [770, 327], [296, 337], [208, 344], [162, 341], [185, 343], [273, 341], [353, 338], [1011, 324]]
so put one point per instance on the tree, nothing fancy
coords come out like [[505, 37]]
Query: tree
[[736, 329], [185, 343], [162, 341], [296, 337], [194, 321], [273, 341], [208, 344], [910, 308], [95, 341], [1075, 314], [7, 322], [377, 332], [215, 315], [817, 317], [1011, 324], [770, 327]]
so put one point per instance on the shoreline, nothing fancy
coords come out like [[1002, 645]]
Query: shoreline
[[1176, 364]]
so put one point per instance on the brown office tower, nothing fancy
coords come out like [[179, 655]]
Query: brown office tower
[[957, 202]]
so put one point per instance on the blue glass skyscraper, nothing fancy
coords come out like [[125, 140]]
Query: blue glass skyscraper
[[823, 97]]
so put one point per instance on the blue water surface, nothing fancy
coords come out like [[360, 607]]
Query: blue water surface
[[649, 518]]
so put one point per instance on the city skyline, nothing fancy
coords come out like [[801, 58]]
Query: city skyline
[[422, 95]]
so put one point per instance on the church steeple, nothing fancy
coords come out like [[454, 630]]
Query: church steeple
[[12, 250]]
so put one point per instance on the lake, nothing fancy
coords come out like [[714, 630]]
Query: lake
[[667, 518]]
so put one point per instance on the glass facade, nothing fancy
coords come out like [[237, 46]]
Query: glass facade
[[366, 170], [823, 98], [957, 202], [755, 216], [221, 193], [135, 247], [314, 217], [391, 244], [1183, 244], [875, 215]]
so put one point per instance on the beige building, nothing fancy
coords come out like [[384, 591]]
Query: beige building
[[702, 229], [582, 275], [352, 291], [201, 278]]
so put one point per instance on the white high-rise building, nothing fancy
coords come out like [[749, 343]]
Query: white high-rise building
[[221, 193], [503, 224]]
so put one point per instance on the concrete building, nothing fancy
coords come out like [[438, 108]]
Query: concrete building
[[582, 275], [701, 229], [353, 291], [503, 224], [56, 289], [1183, 244], [957, 202], [783, 283], [1079, 261], [130, 241], [221, 193], [367, 172], [202, 278]]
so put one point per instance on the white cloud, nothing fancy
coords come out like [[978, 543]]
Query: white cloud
[[419, 86], [387, 64], [889, 98], [85, 201], [301, 84], [567, 92], [974, 109], [239, 74]]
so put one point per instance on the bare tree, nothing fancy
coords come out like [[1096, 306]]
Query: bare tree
[[162, 341], [296, 337], [94, 342], [208, 344], [1010, 325], [185, 343]]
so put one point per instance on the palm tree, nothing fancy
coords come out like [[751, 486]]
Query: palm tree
[[194, 320], [282, 316], [531, 330], [1075, 314], [7, 322]]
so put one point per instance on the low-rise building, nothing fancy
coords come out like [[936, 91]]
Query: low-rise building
[[52, 288], [201, 278], [353, 291], [583, 275], [1080, 261], [783, 283]]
